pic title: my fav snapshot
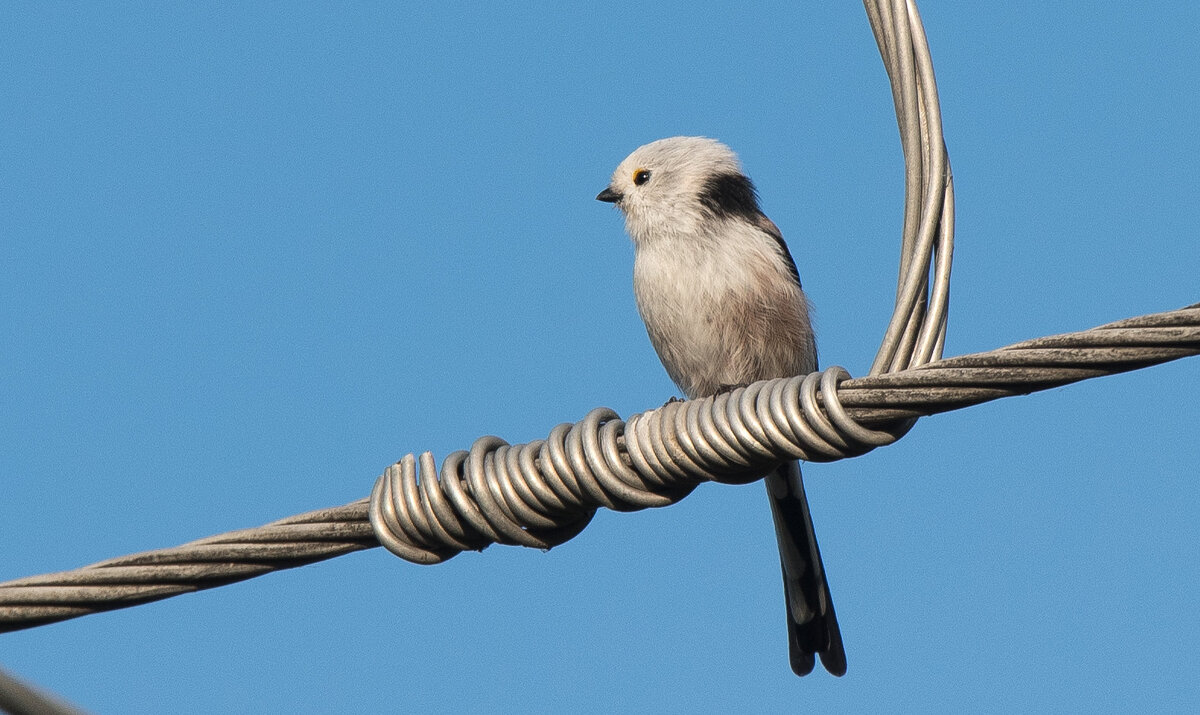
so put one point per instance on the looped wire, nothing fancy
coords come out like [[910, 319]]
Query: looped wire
[[545, 492], [916, 333], [542, 493]]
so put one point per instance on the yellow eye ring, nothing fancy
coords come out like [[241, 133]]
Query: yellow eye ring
[[640, 176]]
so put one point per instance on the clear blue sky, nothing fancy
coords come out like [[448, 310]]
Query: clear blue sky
[[251, 256]]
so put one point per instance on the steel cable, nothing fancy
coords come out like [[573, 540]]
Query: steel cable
[[654, 458], [542, 493]]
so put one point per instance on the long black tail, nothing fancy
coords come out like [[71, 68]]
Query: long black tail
[[812, 624]]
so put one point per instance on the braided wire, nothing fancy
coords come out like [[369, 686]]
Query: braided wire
[[542, 493], [206, 563], [545, 492], [653, 459]]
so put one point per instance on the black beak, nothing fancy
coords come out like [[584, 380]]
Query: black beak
[[608, 195]]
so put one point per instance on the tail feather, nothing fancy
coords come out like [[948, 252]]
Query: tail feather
[[812, 624]]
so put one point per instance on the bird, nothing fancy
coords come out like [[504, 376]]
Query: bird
[[720, 296]]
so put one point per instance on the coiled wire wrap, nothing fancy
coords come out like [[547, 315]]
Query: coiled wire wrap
[[545, 492]]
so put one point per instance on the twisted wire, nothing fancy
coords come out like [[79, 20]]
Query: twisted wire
[[653, 459], [542, 493], [206, 563], [498, 491]]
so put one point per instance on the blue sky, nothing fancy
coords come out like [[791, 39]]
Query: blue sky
[[252, 255]]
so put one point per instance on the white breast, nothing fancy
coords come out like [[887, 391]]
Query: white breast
[[722, 309]]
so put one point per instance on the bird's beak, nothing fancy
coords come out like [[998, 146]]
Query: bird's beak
[[608, 195]]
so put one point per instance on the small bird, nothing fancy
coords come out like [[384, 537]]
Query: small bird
[[721, 299]]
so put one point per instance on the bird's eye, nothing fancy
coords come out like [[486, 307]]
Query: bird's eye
[[640, 176]]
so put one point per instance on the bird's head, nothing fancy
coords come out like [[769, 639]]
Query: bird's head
[[679, 186]]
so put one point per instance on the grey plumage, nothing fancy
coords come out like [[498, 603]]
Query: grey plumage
[[721, 299]]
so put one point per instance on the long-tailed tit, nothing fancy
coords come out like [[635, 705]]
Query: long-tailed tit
[[721, 299]]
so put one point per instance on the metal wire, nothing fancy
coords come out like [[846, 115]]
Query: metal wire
[[916, 333], [542, 493], [490, 493], [214, 561], [671, 450]]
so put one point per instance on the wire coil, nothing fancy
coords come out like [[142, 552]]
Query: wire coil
[[545, 492]]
